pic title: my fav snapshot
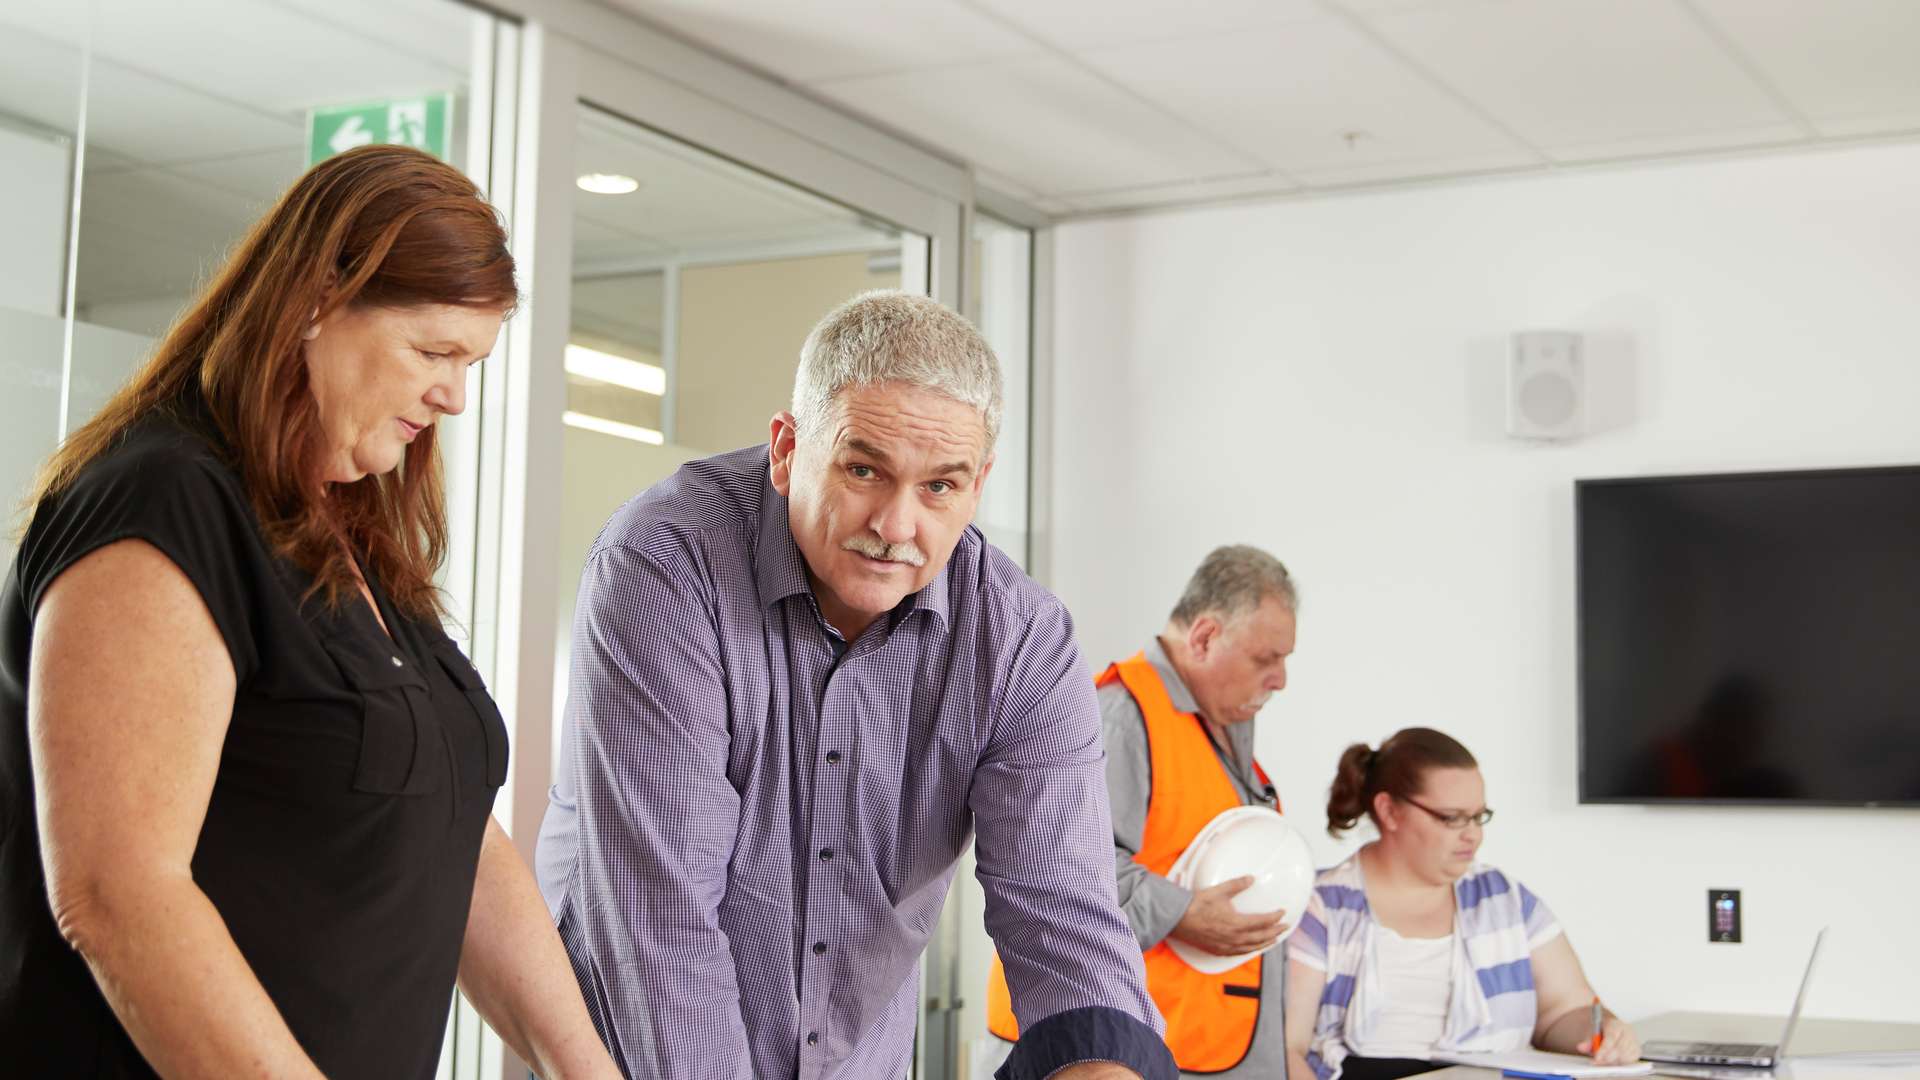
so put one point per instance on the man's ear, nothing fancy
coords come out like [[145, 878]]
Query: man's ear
[[980, 481], [1201, 635], [782, 440]]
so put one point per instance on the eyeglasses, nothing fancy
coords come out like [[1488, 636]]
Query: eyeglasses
[[1457, 819]]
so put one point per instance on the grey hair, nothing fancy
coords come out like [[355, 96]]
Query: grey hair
[[1233, 581], [891, 336]]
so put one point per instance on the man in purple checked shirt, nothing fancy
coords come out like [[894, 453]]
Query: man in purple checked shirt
[[801, 682]]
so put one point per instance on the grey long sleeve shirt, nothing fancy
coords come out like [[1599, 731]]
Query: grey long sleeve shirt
[[1154, 905]]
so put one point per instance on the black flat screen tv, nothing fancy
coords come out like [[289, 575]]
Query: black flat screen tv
[[1750, 638]]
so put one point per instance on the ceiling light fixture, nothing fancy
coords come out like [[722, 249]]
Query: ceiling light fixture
[[613, 427], [601, 183], [617, 370]]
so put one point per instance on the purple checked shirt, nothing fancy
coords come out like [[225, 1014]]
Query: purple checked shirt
[[756, 824]]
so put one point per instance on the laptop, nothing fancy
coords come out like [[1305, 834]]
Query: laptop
[[1750, 1055]]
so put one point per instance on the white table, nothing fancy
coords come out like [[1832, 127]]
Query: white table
[[1813, 1036]]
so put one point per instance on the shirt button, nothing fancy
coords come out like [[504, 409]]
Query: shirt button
[[397, 663], [826, 853], [819, 948], [813, 1038], [833, 757]]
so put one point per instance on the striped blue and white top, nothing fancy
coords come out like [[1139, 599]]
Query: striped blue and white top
[[1497, 924]]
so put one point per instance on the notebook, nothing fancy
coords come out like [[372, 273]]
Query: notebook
[[1541, 1063]]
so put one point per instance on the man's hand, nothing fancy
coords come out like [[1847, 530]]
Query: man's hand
[[1213, 924], [1095, 1070]]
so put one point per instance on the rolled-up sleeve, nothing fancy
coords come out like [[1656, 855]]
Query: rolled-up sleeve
[[1045, 861], [1153, 905], [658, 818]]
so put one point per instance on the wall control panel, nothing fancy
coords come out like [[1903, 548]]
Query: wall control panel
[[1723, 915]]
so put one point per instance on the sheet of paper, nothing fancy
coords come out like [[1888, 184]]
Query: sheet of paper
[[1539, 1061]]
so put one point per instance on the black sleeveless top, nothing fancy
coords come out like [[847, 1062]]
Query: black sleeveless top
[[345, 822]]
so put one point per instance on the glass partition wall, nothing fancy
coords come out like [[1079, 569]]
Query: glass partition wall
[[139, 141]]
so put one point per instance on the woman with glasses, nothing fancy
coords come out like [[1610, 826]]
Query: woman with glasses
[[1411, 946]]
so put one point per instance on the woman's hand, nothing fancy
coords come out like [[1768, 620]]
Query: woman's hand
[[1618, 1043], [515, 971]]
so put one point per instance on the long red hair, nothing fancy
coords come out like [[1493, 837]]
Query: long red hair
[[384, 226]]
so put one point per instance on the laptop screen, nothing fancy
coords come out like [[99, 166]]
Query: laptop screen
[[1800, 999]]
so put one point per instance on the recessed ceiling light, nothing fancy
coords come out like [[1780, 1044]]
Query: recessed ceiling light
[[615, 428], [601, 183], [618, 370]]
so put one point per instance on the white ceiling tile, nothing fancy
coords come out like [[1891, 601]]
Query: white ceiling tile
[[1850, 66], [439, 32], [1078, 25], [1003, 184], [689, 201], [1416, 169], [1291, 95], [164, 208], [594, 243], [1568, 73], [1249, 186], [1044, 121], [628, 308], [39, 79], [1904, 123], [1654, 146], [824, 39], [117, 265], [211, 78], [215, 46], [55, 20], [1392, 7], [259, 179], [101, 159], [158, 121]]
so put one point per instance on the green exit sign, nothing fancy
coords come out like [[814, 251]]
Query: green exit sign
[[423, 122]]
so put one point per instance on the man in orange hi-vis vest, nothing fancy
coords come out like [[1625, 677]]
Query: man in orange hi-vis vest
[[1177, 718]]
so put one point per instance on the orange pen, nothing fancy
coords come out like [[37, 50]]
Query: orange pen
[[1595, 1051]]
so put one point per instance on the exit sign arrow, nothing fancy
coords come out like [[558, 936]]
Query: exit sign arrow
[[424, 122], [351, 134]]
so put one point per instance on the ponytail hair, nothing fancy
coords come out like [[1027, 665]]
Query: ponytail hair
[[1398, 768]]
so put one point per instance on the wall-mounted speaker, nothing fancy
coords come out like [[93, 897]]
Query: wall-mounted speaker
[[1546, 386]]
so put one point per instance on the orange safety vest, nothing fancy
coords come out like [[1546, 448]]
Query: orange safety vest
[[1210, 1018]]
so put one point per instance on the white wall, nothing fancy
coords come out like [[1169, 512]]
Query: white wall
[[1323, 378], [33, 244], [150, 316], [34, 193]]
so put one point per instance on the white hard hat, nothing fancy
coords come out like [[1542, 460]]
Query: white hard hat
[[1247, 841]]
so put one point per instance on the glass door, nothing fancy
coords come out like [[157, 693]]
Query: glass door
[[695, 281], [954, 1043]]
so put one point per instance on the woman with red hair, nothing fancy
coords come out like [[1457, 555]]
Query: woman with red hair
[[246, 779]]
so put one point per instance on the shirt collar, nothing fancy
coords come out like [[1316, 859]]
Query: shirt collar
[[1177, 691], [782, 571], [1235, 741], [936, 597], [776, 562]]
